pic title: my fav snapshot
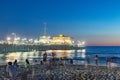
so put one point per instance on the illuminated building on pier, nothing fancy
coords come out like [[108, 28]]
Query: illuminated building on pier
[[61, 39]]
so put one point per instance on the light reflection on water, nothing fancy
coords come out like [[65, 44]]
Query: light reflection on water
[[21, 56]]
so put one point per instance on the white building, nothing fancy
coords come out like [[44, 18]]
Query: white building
[[44, 39]]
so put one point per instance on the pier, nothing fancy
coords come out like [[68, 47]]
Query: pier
[[25, 48]]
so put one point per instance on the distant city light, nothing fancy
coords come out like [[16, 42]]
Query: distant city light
[[8, 38], [18, 38], [15, 39], [30, 40], [45, 40], [83, 43], [24, 39]]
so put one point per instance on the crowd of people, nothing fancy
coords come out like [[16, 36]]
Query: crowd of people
[[13, 70], [52, 69]]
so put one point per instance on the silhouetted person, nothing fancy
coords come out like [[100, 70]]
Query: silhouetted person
[[71, 61], [60, 61], [45, 57], [15, 63], [41, 62], [53, 55], [11, 70], [27, 64], [96, 58], [26, 70]]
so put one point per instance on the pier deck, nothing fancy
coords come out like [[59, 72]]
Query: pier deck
[[15, 48]]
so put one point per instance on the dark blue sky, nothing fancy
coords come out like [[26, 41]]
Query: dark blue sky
[[95, 21]]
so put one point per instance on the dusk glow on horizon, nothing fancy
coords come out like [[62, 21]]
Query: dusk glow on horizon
[[97, 22]]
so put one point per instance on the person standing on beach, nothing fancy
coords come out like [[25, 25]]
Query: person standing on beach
[[16, 68], [27, 64], [71, 61], [53, 59], [26, 70], [15, 63], [45, 57], [96, 58], [11, 70], [53, 55]]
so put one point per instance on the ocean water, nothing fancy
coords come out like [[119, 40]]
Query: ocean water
[[103, 52], [77, 55]]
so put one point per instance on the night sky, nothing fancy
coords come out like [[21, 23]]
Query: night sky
[[95, 21]]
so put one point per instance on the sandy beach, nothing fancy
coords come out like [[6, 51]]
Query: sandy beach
[[68, 72]]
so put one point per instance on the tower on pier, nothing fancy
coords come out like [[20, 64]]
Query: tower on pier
[[45, 39]]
